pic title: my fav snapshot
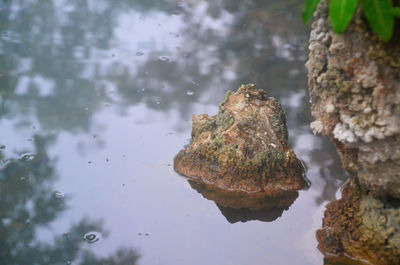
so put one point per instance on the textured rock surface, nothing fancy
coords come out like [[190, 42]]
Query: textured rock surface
[[354, 86], [354, 83], [363, 226], [240, 206], [244, 147]]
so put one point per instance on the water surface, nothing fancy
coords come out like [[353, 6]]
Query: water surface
[[96, 98]]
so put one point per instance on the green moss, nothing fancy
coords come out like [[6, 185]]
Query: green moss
[[279, 122], [224, 120]]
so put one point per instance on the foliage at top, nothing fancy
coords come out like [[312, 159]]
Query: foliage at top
[[379, 13]]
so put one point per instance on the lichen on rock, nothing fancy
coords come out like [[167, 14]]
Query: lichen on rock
[[244, 147], [354, 87], [361, 228]]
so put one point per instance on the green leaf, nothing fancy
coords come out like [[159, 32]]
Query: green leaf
[[396, 11], [380, 16], [340, 13], [309, 9]]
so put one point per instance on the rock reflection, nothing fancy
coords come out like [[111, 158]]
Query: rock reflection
[[239, 206], [28, 203]]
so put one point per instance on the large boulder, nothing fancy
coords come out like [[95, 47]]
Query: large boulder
[[244, 147], [354, 86]]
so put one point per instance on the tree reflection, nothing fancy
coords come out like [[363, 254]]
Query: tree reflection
[[59, 67], [28, 203]]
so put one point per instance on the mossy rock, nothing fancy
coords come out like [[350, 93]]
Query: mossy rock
[[244, 147]]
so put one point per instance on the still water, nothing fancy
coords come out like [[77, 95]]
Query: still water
[[96, 98]]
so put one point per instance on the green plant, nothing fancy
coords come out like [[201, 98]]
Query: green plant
[[379, 13]]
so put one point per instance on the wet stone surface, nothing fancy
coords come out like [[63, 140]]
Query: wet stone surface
[[244, 147]]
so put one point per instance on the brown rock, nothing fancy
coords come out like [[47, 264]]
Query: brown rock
[[354, 85], [244, 147], [360, 229]]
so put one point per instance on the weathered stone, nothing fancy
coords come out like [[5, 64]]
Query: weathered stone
[[360, 227], [354, 86], [244, 147], [241, 206]]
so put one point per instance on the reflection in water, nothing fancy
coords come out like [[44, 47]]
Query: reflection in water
[[28, 203], [239, 206], [69, 69]]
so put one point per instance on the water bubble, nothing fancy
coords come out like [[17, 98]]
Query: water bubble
[[92, 237], [58, 194], [189, 93], [66, 235], [158, 102], [30, 140], [163, 58], [139, 53], [86, 108], [89, 162], [26, 157]]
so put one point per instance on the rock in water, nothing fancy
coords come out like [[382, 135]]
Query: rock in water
[[244, 147]]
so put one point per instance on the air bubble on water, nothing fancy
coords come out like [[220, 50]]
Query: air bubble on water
[[158, 102], [86, 108], [58, 194], [26, 157], [163, 58], [66, 235], [92, 237], [189, 93], [139, 53]]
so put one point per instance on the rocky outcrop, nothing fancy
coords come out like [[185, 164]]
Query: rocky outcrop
[[354, 86], [240, 206], [244, 147]]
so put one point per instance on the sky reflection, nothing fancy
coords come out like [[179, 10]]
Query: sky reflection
[[103, 92]]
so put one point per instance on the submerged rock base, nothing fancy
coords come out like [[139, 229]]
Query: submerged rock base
[[244, 147], [360, 229]]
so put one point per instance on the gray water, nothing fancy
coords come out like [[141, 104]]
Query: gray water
[[96, 98]]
